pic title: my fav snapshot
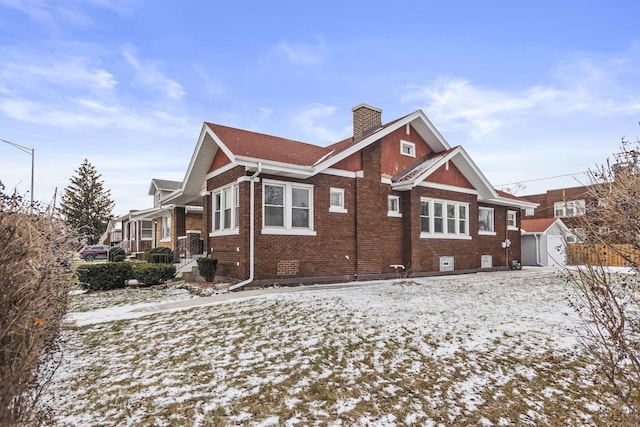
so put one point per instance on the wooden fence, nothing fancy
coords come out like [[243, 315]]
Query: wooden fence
[[578, 254]]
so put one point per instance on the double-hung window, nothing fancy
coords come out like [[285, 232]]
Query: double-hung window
[[226, 212], [512, 220], [443, 219], [485, 221], [287, 208], [146, 230], [569, 208]]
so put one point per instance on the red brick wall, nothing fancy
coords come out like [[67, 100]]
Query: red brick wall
[[346, 245], [331, 252], [393, 161]]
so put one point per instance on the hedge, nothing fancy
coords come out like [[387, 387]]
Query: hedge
[[160, 256], [114, 275], [153, 274], [207, 268], [103, 276]]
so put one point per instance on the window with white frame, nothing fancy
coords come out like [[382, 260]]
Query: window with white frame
[[443, 218], [569, 208], [512, 220], [166, 228], [146, 230], [336, 200], [529, 211], [485, 221], [287, 208], [408, 148], [225, 209], [393, 206]]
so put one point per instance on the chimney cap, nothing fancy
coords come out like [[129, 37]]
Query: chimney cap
[[363, 105]]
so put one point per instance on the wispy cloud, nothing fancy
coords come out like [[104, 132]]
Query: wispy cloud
[[148, 74], [314, 121], [299, 54], [67, 71], [580, 86], [55, 13]]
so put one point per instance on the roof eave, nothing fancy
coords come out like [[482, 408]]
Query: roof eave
[[420, 122]]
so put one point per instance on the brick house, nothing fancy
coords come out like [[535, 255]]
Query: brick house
[[283, 211], [566, 204], [164, 225]]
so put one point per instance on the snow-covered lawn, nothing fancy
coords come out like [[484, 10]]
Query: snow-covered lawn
[[481, 349]]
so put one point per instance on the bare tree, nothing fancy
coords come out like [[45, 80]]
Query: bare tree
[[608, 302], [35, 268]]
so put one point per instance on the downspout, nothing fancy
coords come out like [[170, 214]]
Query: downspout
[[251, 232]]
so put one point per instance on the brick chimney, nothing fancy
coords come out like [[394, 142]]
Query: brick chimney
[[365, 118]]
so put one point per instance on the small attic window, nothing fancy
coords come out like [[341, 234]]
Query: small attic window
[[407, 148]]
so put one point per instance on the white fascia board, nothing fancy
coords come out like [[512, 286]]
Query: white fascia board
[[146, 214], [340, 172], [220, 170], [269, 166], [420, 178], [447, 187], [505, 201], [415, 116], [194, 177], [473, 174]]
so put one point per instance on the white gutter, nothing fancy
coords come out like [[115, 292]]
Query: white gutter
[[251, 232]]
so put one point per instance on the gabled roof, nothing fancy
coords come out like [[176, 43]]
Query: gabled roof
[[163, 185], [540, 225], [252, 145], [421, 170], [285, 157]]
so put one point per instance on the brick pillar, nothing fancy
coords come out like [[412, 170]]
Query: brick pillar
[[180, 224], [371, 199]]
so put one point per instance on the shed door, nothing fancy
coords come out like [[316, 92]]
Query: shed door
[[556, 253]]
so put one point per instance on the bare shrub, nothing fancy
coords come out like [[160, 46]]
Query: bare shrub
[[608, 303], [35, 267]]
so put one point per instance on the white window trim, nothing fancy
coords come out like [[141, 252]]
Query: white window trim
[[410, 145], [235, 228], [288, 229], [515, 219], [165, 220], [456, 235], [568, 208], [335, 208], [146, 239], [396, 214], [493, 215]]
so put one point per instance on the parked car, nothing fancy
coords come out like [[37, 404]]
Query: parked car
[[89, 253]]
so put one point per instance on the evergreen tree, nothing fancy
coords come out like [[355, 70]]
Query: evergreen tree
[[85, 204]]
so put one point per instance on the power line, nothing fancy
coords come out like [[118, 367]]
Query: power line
[[541, 179]]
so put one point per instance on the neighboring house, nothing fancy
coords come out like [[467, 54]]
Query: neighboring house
[[164, 225], [113, 235], [283, 211], [543, 242], [566, 204]]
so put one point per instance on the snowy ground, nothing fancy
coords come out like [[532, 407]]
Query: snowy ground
[[486, 349]]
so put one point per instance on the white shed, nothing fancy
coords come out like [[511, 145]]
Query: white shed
[[543, 242]]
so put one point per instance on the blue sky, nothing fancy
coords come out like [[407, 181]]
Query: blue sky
[[531, 90]]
